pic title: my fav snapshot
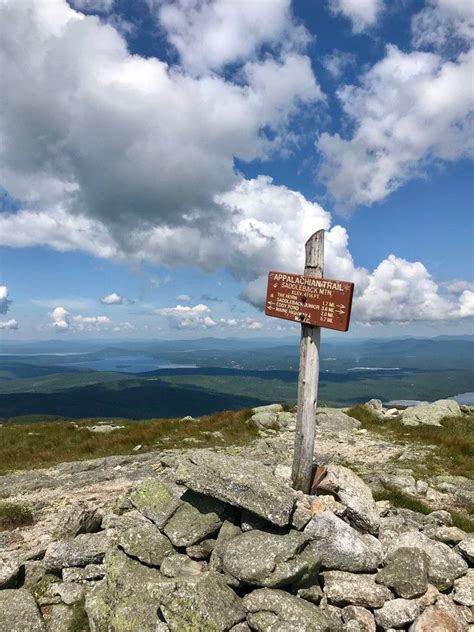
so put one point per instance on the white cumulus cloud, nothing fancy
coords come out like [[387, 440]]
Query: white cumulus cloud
[[8, 324], [362, 13], [183, 298], [63, 321], [209, 34], [444, 25], [112, 299], [186, 317], [4, 300], [409, 110]]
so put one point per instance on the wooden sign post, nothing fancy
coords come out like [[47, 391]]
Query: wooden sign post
[[314, 302]]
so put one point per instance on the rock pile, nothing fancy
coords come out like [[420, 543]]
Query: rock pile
[[215, 542]]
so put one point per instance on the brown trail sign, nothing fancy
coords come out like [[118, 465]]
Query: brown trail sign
[[314, 302]]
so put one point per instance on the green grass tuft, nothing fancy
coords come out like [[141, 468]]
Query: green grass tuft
[[13, 515]]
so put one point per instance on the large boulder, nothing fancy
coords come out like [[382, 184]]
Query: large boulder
[[444, 564], [363, 617], [200, 603], [19, 612], [430, 414], [350, 589], [463, 591], [275, 610], [335, 420], [9, 571], [405, 572], [340, 547], [351, 490], [239, 482], [265, 559]]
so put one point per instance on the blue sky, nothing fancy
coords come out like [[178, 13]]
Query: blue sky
[[159, 158]]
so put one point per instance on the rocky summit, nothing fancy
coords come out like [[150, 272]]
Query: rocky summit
[[217, 541]]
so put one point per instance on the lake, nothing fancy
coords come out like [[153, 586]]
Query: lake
[[128, 364]]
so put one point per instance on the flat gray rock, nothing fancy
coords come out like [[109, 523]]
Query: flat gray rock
[[277, 611], [87, 548], [444, 564], [434, 619], [349, 589], [239, 482], [355, 494], [19, 612], [265, 559], [156, 500], [179, 565], [196, 519], [226, 533], [340, 547], [430, 414]]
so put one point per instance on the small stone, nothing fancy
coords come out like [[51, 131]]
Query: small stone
[[202, 550], [396, 613], [302, 513], [19, 612], [362, 616], [463, 591], [312, 593], [383, 507], [335, 420], [178, 565], [137, 448], [327, 503], [405, 572], [428, 599], [346, 589]]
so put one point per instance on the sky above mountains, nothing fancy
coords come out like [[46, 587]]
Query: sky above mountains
[[158, 158]]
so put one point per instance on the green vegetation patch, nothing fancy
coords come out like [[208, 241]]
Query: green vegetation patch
[[30, 446], [453, 441], [13, 515], [399, 499]]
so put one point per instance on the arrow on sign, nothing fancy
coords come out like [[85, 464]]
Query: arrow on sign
[[339, 311]]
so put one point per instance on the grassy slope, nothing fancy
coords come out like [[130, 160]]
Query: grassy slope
[[44, 444]]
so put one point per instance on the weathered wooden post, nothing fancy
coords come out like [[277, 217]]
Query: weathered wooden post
[[314, 302], [308, 377]]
